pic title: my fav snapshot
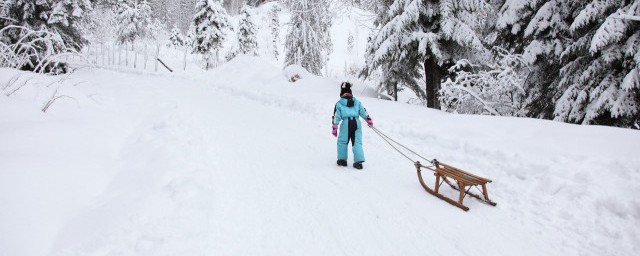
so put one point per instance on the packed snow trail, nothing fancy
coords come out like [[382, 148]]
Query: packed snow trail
[[237, 161]]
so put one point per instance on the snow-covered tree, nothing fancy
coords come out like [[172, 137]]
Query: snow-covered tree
[[208, 30], [418, 38], [134, 20], [308, 42], [60, 17], [274, 26], [247, 41], [540, 31], [600, 79], [175, 37]]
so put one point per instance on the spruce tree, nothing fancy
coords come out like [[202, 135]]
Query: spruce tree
[[247, 41], [308, 43], [540, 31], [420, 38], [208, 30], [600, 78]]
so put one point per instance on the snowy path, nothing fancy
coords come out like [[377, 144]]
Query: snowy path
[[244, 164]]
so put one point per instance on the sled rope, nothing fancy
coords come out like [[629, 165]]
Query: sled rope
[[389, 141]]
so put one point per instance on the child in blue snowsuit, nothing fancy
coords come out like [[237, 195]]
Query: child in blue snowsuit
[[347, 111]]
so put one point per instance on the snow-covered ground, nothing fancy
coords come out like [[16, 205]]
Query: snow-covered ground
[[238, 161]]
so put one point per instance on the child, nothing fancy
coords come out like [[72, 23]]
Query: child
[[347, 110]]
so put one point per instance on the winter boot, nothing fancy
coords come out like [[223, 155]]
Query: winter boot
[[342, 162], [357, 165]]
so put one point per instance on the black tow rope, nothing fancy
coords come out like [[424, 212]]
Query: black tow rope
[[391, 143]]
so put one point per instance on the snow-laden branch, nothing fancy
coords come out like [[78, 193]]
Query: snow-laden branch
[[38, 49], [626, 17], [495, 88]]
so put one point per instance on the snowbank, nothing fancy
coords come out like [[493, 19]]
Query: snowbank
[[238, 161]]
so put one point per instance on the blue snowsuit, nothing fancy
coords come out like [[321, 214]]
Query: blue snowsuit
[[347, 112]]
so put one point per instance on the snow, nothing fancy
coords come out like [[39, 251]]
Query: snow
[[239, 161]]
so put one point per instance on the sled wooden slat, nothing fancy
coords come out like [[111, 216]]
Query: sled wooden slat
[[460, 177], [464, 181], [461, 171]]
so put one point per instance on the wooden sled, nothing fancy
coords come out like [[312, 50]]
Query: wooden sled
[[463, 180]]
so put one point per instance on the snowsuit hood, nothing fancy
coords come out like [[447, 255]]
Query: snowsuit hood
[[347, 101]]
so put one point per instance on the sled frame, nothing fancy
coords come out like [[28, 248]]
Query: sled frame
[[464, 182]]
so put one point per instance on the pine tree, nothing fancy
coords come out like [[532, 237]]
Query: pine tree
[[247, 41], [208, 29], [422, 37], [600, 79], [308, 42], [61, 17], [274, 26]]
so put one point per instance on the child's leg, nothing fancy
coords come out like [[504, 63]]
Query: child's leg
[[358, 152], [343, 141]]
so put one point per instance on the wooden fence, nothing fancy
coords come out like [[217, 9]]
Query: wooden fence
[[140, 56]]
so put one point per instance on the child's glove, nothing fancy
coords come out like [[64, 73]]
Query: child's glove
[[369, 121], [335, 130]]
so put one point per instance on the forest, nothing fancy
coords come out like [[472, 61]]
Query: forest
[[564, 60]]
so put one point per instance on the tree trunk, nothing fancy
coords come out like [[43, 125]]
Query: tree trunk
[[433, 75], [395, 90]]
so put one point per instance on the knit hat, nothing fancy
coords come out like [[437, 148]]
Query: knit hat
[[345, 87]]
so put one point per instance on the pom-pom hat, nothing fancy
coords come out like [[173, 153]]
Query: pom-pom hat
[[345, 87]]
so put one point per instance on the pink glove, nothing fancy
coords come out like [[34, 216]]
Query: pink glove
[[369, 121], [335, 130]]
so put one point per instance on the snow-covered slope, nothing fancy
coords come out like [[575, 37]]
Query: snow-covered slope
[[238, 161]]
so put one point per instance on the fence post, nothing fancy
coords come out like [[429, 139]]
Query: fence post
[[145, 56], [135, 59], [113, 54], [96, 53], [156, 58], [102, 52], [119, 54], [126, 56], [184, 59]]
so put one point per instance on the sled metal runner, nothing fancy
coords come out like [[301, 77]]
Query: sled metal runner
[[464, 182]]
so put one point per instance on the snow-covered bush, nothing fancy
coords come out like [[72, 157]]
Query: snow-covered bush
[[295, 72], [494, 89], [34, 33], [60, 17], [35, 50]]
